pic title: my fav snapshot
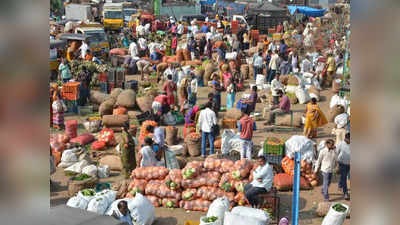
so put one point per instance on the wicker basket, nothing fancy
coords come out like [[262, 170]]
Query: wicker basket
[[74, 186], [229, 124], [193, 146], [171, 135]]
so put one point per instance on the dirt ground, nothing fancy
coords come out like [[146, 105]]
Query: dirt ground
[[308, 199]]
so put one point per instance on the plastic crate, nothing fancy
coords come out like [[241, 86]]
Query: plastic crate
[[70, 91], [85, 110], [273, 159], [273, 149]]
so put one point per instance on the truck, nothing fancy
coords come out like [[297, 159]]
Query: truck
[[97, 38], [260, 22], [113, 16], [80, 12]]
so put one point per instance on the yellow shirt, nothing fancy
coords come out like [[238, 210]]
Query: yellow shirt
[[331, 64], [245, 38]]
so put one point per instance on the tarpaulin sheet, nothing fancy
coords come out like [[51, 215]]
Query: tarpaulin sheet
[[308, 11]]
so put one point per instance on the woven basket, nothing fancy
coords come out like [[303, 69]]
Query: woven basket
[[193, 146], [74, 186], [171, 135]]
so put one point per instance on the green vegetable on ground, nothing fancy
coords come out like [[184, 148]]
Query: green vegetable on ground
[[339, 207], [88, 192], [210, 219], [81, 177]]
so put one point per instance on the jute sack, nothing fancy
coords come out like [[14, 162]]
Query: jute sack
[[115, 92], [97, 97], [284, 120], [292, 80], [106, 108], [115, 120], [234, 114], [171, 135], [244, 71], [314, 93], [284, 79], [132, 114], [208, 70], [74, 186], [335, 111], [193, 145], [127, 99], [144, 103]]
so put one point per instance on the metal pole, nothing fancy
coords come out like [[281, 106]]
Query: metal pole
[[296, 189]]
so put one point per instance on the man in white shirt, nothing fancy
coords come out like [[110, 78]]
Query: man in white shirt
[[257, 63], [133, 49], [263, 177], [147, 28], [193, 90], [306, 65], [180, 29], [142, 46], [343, 152], [84, 47], [273, 66], [207, 120], [148, 156], [140, 30], [327, 161], [276, 85]]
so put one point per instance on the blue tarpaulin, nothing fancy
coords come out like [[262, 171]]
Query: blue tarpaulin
[[207, 2], [308, 11]]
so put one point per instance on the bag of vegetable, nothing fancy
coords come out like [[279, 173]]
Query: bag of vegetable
[[171, 135], [108, 194], [336, 214], [193, 141], [157, 202], [194, 182], [174, 179], [142, 211], [218, 208], [90, 170], [251, 212], [77, 202], [165, 192], [212, 164], [150, 173], [241, 169], [170, 203], [189, 194], [153, 187], [195, 205], [226, 166], [207, 193], [192, 169], [98, 205], [231, 218], [137, 186], [212, 178]]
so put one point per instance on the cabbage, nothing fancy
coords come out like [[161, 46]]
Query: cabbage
[[226, 186], [170, 204], [187, 196], [236, 174], [240, 187]]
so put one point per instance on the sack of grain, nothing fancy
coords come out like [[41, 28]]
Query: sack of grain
[[127, 99], [335, 111], [144, 103], [115, 120], [244, 71], [292, 80], [193, 142], [234, 114], [208, 70], [284, 120], [284, 79], [106, 108], [115, 92], [171, 135], [97, 97], [132, 114]]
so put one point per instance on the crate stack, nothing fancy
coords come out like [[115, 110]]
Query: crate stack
[[274, 150], [70, 95], [120, 77], [103, 82], [111, 79]]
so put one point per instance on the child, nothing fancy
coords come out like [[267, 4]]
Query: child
[[230, 94], [327, 160]]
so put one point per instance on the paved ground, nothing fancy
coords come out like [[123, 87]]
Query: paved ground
[[308, 199]]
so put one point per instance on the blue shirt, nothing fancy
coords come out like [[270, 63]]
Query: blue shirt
[[154, 56], [283, 48], [204, 29]]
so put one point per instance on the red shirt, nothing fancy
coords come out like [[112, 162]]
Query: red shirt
[[247, 127], [163, 99], [174, 43]]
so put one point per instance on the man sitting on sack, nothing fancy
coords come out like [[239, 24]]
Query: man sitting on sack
[[282, 108]]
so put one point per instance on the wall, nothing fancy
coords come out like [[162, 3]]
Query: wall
[[179, 11]]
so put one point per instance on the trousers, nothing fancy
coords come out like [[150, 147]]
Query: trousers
[[251, 193], [344, 172], [327, 178], [204, 136]]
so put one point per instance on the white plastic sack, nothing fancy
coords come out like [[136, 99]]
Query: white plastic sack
[[231, 141], [169, 119], [90, 170], [316, 84], [77, 202], [337, 100], [252, 212], [65, 164], [142, 212], [321, 145], [218, 208], [313, 95], [69, 156], [231, 55], [98, 205], [302, 144], [302, 95], [231, 218], [87, 198], [217, 222], [108, 194], [103, 171], [260, 79], [291, 89], [77, 167], [177, 149], [334, 217]]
